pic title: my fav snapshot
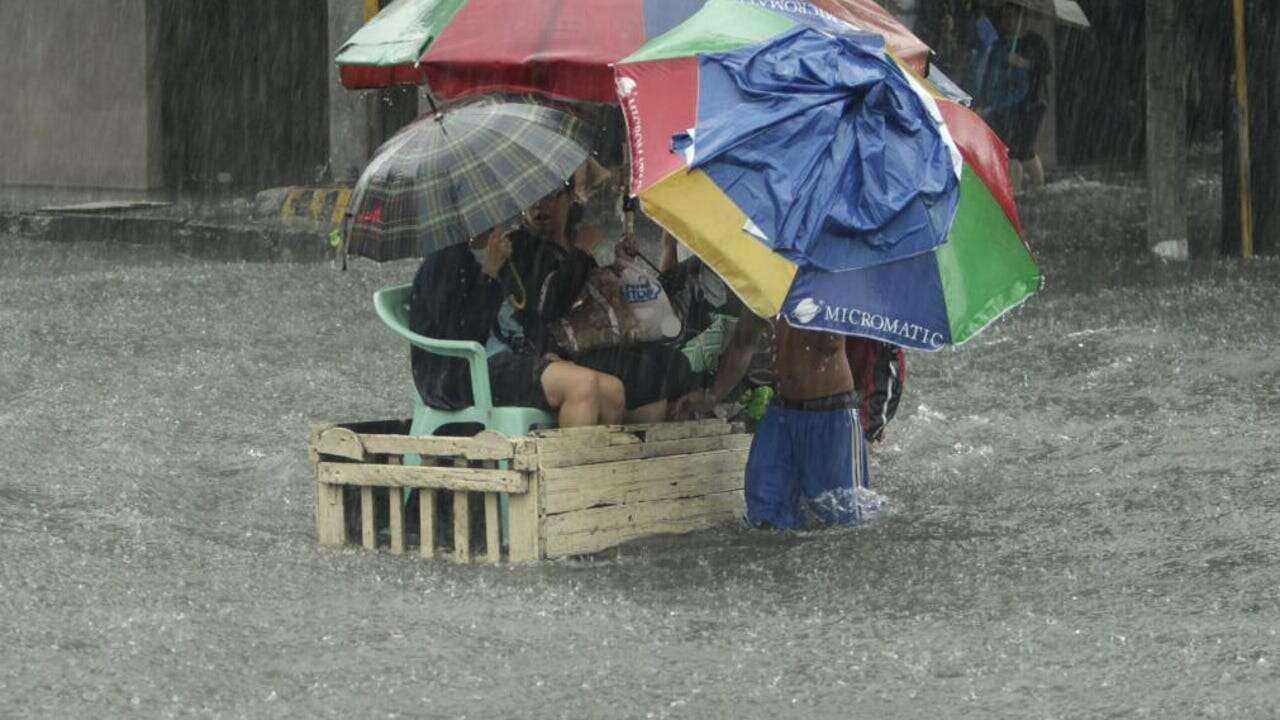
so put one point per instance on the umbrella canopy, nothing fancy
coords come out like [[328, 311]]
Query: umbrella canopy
[[826, 146], [1067, 12], [446, 178], [928, 295], [558, 47]]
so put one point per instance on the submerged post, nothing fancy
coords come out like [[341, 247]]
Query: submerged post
[[1242, 127], [1166, 130]]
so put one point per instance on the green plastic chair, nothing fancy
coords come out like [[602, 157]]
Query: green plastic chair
[[392, 305]]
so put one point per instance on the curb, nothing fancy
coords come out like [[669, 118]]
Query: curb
[[317, 204], [252, 242]]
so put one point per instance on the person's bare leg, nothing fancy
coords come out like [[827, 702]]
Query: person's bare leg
[[1015, 176], [613, 400], [654, 412], [574, 392], [1035, 173]]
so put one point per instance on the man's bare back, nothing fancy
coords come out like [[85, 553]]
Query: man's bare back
[[809, 364]]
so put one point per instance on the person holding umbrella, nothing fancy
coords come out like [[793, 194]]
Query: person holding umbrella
[[459, 294], [447, 186], [1015, 102]]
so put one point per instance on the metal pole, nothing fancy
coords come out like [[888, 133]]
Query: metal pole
[[1242, 128]]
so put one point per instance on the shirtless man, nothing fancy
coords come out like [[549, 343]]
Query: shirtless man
[[808, 453]]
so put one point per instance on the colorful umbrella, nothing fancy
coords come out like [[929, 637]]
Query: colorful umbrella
[[563, 48], [927, 299], [446, 178]]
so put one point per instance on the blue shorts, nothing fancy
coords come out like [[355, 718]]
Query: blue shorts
[[804, 466]]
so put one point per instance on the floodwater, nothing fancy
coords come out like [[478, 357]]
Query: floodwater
[[1085, 516]]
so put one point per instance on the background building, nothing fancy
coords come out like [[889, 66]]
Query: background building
[[180, 95]]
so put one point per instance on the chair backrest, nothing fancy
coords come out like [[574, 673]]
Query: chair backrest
[[392, 305]]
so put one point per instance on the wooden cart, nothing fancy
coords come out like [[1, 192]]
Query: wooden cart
[[571, 492]]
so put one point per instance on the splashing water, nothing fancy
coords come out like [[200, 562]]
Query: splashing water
[[1086, 501]]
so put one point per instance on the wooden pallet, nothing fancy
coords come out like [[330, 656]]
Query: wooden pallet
[[571, 492]]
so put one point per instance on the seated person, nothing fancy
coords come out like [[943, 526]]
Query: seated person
[[551, 260], [654, 373], [457, 295], [708, 310]]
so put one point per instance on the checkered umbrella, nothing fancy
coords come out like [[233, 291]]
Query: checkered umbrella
[[448, 177]]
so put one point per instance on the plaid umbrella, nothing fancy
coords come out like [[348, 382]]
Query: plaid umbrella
[[449, 177]]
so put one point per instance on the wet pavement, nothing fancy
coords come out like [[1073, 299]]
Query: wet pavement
[[1085, 522]]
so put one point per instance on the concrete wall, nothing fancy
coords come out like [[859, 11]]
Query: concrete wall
[[76, 108], [349, 121]]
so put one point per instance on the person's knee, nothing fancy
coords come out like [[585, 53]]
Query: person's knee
[[611, 389], [582, 384]]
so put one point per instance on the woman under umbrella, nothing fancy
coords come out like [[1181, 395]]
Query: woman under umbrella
[[446, 186]]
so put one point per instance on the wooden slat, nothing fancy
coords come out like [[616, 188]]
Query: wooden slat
[[340, 442], [692, 428], [461, 523], [592, 438], [427, 522], [616, 453], [624, 493], [331, 521], [684, 430], [588, 531], [492, 539], [526, 456], [395, 511], [424, 476], [632, 473], [366, 517], [525, 539], [313, 439], [487, 445], [583, 430], [586, 440]]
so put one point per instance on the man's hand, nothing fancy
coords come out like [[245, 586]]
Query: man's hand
[[695, 405], [497, 252]]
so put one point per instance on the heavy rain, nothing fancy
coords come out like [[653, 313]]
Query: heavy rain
[[1073, 501]]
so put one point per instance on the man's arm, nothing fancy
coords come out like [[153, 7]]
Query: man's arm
[[734, 363]]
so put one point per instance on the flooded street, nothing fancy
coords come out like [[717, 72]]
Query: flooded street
[[1085, 515]]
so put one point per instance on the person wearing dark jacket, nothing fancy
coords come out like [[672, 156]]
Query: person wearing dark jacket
[[550, 264], [458, 295], [879, 373]]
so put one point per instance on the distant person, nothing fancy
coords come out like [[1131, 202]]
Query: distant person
[[1014, 99]]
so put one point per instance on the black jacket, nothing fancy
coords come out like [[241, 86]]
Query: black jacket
[[451, 300], [552, 278]]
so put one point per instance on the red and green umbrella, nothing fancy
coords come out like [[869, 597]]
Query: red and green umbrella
[[563, 48], [938, 296]]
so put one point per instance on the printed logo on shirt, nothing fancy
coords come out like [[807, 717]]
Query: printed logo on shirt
[[633, 293]]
